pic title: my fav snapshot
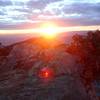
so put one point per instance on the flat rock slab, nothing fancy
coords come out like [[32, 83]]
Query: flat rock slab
[[33, 88]]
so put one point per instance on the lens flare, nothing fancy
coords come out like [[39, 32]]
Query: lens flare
[[46, 73]]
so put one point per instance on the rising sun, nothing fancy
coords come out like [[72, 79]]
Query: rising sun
[[49, 30]]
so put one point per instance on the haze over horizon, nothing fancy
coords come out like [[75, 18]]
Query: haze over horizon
[[8, 39]]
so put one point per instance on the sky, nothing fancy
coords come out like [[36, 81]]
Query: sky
[[25, 15]]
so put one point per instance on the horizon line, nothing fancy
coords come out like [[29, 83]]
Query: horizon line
[[60, 29]]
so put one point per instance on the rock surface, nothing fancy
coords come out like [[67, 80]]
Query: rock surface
[[19, 79]]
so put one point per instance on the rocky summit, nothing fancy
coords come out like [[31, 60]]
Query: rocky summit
[[20, 64]]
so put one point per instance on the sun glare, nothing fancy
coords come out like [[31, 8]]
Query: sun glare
[[49, 30]]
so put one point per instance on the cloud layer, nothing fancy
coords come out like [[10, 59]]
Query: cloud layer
[[28, 13]]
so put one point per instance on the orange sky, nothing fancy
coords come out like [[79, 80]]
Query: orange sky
[[60, 29]]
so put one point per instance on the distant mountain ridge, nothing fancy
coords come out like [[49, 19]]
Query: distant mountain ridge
[[11, 39]]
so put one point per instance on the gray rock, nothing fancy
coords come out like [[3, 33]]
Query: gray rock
[[23, 83]]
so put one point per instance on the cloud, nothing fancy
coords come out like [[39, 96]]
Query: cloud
[[81, 13], [5, 3], [15, 13]]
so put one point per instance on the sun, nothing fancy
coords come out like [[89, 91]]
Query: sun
[[49, 30]]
